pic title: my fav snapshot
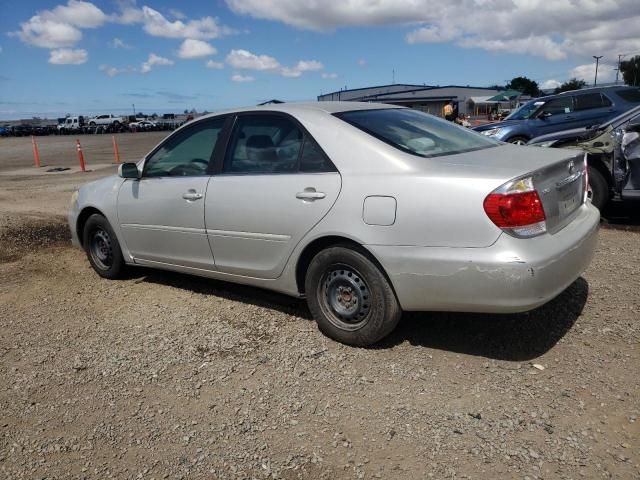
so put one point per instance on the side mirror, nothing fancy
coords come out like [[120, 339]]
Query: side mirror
[[128, 170]]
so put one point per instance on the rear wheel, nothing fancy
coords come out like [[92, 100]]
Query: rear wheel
[[518, 140], [102, 247], [598, 188], [350, 298]]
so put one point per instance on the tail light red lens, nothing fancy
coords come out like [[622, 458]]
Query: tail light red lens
[[512, 210]]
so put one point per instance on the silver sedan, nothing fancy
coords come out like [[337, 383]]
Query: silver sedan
[[364, 209]]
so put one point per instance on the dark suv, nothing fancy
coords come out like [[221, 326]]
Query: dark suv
[[564, 111]]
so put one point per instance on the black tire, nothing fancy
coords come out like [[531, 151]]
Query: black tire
[[102, 247], [350, 298], [598, 188], [518, 140]]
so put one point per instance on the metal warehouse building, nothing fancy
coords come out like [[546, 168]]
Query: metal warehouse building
[[430, 99]]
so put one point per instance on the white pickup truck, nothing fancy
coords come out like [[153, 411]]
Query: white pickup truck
[[106, 120]]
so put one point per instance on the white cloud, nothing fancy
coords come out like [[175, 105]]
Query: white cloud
[[118, 43], [154, 60], [0, 49], [552, 29], [214, 65], [206, 28], [362, 62], [242, 78], [192, 48], [245, 60], [113, 71], [61, 26], [68, 56], [549, 84], [175, 13], [78, 13], [48, 34], [606, 73], [299, 68], [330, 76]]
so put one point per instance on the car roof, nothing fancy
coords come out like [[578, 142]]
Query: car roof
[[302, 107]]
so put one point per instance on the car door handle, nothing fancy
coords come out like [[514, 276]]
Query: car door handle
[[310, 194], [192, 195]]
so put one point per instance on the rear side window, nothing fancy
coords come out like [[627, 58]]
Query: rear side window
[[313, 159], [631, 95], [416, 132], [589, 101]]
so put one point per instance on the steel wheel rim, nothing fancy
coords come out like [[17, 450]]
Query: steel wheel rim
[[345, 297], [101, 249]]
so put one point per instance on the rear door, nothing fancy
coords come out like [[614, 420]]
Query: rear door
[[592, 108], [275, 184]]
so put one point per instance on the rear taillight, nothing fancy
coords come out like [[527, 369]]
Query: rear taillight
[[586, 180], [516, 208]]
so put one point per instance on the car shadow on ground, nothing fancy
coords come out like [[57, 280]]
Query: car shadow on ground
[[621, 216], [512, 337], [515, 337]]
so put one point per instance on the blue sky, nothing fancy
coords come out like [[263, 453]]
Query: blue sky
[[81, 57]]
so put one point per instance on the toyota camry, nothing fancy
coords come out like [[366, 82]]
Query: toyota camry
[[366, 210]]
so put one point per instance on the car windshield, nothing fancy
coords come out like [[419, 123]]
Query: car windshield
[[416, 132], [525, 111]]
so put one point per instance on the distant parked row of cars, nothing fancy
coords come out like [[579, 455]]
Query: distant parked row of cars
[[80, 124]]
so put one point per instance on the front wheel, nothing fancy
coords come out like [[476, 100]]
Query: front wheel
[[518, 140], [102, 247], [350, 298]]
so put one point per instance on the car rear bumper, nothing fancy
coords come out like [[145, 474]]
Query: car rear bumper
[[512, 275]]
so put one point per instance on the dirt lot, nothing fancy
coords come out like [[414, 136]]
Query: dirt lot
[[167, 376]]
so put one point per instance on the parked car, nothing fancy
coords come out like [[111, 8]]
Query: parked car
[[142, 125], [72, 125], [106, 120], [567, 110], [4, 131], [612, 152], [364, 209]]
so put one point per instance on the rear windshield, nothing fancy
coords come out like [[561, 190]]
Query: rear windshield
[[630, 94], [416, 132]]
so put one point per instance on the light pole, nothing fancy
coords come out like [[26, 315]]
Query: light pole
[[134, 109], [595, 80]]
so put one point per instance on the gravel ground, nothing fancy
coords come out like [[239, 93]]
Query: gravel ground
[[163, 375]]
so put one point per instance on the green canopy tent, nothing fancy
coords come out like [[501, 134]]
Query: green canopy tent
[[505, 96]]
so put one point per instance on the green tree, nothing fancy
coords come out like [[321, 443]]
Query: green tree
[[524, 85], [573, 84], [631, 71]]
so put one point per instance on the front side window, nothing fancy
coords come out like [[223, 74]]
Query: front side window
[[558, 106], [416, 132], [264, 144], [187, 153]]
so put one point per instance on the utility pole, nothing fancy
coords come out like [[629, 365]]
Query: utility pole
[[393, 76], [134, 109], [595, 80], [618, 69]]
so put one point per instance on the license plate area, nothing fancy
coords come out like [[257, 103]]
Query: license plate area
[[570, 196]]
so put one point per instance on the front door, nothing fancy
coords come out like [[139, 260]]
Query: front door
[[557, 114], [161, 214], [276, 184]]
